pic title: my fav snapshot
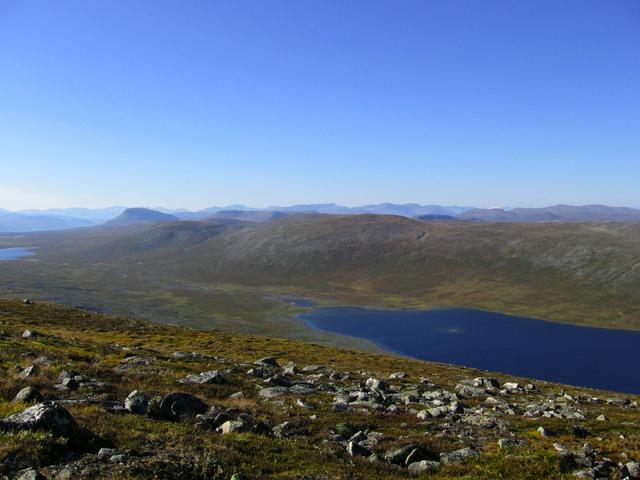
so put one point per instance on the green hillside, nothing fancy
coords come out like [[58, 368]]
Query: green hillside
[[305, 412], [230, 274]]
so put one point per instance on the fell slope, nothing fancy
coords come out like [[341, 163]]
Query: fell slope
[[573, 272], [312, 412]]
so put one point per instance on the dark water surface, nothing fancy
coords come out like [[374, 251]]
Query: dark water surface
[[14, 253], [584, 356]]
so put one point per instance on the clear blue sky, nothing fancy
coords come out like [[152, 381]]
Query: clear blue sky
[[200, 103]]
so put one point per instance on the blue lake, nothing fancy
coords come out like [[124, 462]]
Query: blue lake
[[583, 356], [14, 253]]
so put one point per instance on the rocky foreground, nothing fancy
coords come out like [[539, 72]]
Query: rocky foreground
[[86, 396]]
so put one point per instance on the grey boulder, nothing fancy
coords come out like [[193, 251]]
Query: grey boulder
[[136, 402], [47, 416]]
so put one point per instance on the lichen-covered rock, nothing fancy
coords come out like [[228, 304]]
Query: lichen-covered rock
[[204, 378], [179, 406], [458, 456], [422, 467], [267, 361], [28, 394], [47, 416], [30, 474], [136, 402]]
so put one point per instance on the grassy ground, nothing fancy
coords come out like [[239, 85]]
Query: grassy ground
[[96, 345]]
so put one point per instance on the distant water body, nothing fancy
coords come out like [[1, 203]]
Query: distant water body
[[556, 352], [14, 253]]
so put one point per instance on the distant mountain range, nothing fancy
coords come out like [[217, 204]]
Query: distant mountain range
[[64, 218], [18, 222], [556, 213]]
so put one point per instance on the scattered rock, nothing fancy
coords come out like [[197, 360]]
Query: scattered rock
[[544, 432], [631, 470], [213, 376], [136, 402], [458, 456], [179, 406], [106, 453], [70, 383], [302, 404], [29, 334], [189, 356], [29, 394], [510, 443], [356, 450], [48, 416], [30, 474], [376, 385], [232, 426], [267, 361], [29, 371], [119, 458], [422, 467], [274, 392], [400, 455]]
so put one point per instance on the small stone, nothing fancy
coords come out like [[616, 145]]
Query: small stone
[[631, 470], [423, 466], [274, 392], [399, 455], [376, 385], [119, 458], [344, 429], [179, 406], [27, 301], [268, 361], [509, 443], [588, 473], [106, 453], [136, 402], [544, 432], [458, 456], [237, 396], [601, 418], [28, 394], [511, 386], [30, 474], [29, 371], [29, 334], [70, 383], [232, 426], [355, 449], [204, 378]]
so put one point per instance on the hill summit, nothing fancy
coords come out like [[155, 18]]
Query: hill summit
[[132, 216]]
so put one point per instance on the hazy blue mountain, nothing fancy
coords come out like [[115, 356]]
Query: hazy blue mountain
[[436, 217], [404, 210], [19, 222], [555, 213], [248, 215], [132, 216], [94, 215]]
